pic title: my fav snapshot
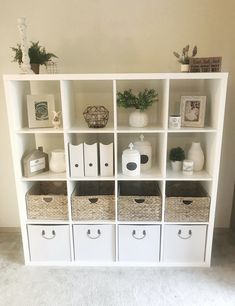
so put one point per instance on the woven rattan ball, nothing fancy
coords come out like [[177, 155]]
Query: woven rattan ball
[[96, 116]]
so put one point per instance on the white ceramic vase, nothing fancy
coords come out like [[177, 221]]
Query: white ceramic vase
[[184, 68], [138, 119], [57, 161], [196, 154], [176, 166]]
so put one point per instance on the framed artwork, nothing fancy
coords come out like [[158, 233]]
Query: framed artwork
[[40, 110], [193, 109]]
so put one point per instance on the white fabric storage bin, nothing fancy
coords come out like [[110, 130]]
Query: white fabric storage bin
[[49, 242], [139, 242], [94, 242], [184, 243]]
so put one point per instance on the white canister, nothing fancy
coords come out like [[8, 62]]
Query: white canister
[[188, 166], [131, 161], [174, 121], [196, 154], [145, 150], [57, 161]]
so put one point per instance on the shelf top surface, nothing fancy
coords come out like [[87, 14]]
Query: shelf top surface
[[114, 76]]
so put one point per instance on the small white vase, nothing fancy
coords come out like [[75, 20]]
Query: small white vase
[[57, 161], [196, 154], [176, 166], [184, 68], [138, 118]]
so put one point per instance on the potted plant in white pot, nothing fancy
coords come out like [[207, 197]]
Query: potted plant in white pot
[[140, 102], [37, 55], [177, 156], [183, 59]]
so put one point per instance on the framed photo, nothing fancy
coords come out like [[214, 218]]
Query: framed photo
[[40, 108], [193, 109]]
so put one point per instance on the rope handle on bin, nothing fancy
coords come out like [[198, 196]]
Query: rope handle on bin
[[93, 237], [138, 238], [187, 237], [48, 238]]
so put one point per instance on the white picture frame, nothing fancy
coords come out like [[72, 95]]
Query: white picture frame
[[193, 110], [40, 110]]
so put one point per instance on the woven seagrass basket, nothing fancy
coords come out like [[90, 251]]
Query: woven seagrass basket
[[93, 201], [139, 201], [186, 202], [47, 201]]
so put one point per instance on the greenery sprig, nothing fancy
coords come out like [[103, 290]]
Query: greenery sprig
[[184, 57], [141, 101], [37, 54]]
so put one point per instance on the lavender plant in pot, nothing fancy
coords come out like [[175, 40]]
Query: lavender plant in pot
[[140, 102], [184, 58], [177, 155]]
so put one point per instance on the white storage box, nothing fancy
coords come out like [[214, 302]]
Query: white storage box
[[139, 242], [184, 243], [94, 242], [49, 242], [76, 160]]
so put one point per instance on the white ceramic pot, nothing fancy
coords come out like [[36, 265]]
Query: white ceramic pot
[[184, 68], [176, 166], [138, 119], [196, 154], [57, 161]]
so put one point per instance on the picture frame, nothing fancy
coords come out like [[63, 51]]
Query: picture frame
[[40, 110], [192, 110]]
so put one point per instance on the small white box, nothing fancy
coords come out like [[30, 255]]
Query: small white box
[[184, 243], [139, 243], [76, 160], [49, 242], [94, 242], [106, 159], [91, 159]]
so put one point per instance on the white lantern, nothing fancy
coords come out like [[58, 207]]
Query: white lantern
[[131, 161], [145, 149]]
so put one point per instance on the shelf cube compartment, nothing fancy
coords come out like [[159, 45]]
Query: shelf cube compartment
[[211, 88], [94, 242], [93, 200], [157, 141], [186, 201], [184, 243], [78, 95], [156, 112], [47, 201], [139, 201], [139, 243], [49, 243]]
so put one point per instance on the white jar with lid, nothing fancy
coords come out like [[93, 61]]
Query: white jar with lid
[[131, 161], [145, 149]]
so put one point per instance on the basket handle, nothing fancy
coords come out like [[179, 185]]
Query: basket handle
[[48, 238], [47, 199], [93, 237], [93, 200], [138, 238], [139, 201], [187, 202], [187, 237]]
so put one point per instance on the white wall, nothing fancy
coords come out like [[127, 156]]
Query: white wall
[[121, 36]]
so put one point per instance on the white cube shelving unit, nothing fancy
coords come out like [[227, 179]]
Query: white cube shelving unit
[[73, 93]]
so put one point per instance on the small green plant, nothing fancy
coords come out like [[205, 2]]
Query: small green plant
[[184, 57], [141, 101], [177, 154], [37, 54]]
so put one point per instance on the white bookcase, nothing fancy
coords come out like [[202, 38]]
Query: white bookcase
[[114, 247]]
